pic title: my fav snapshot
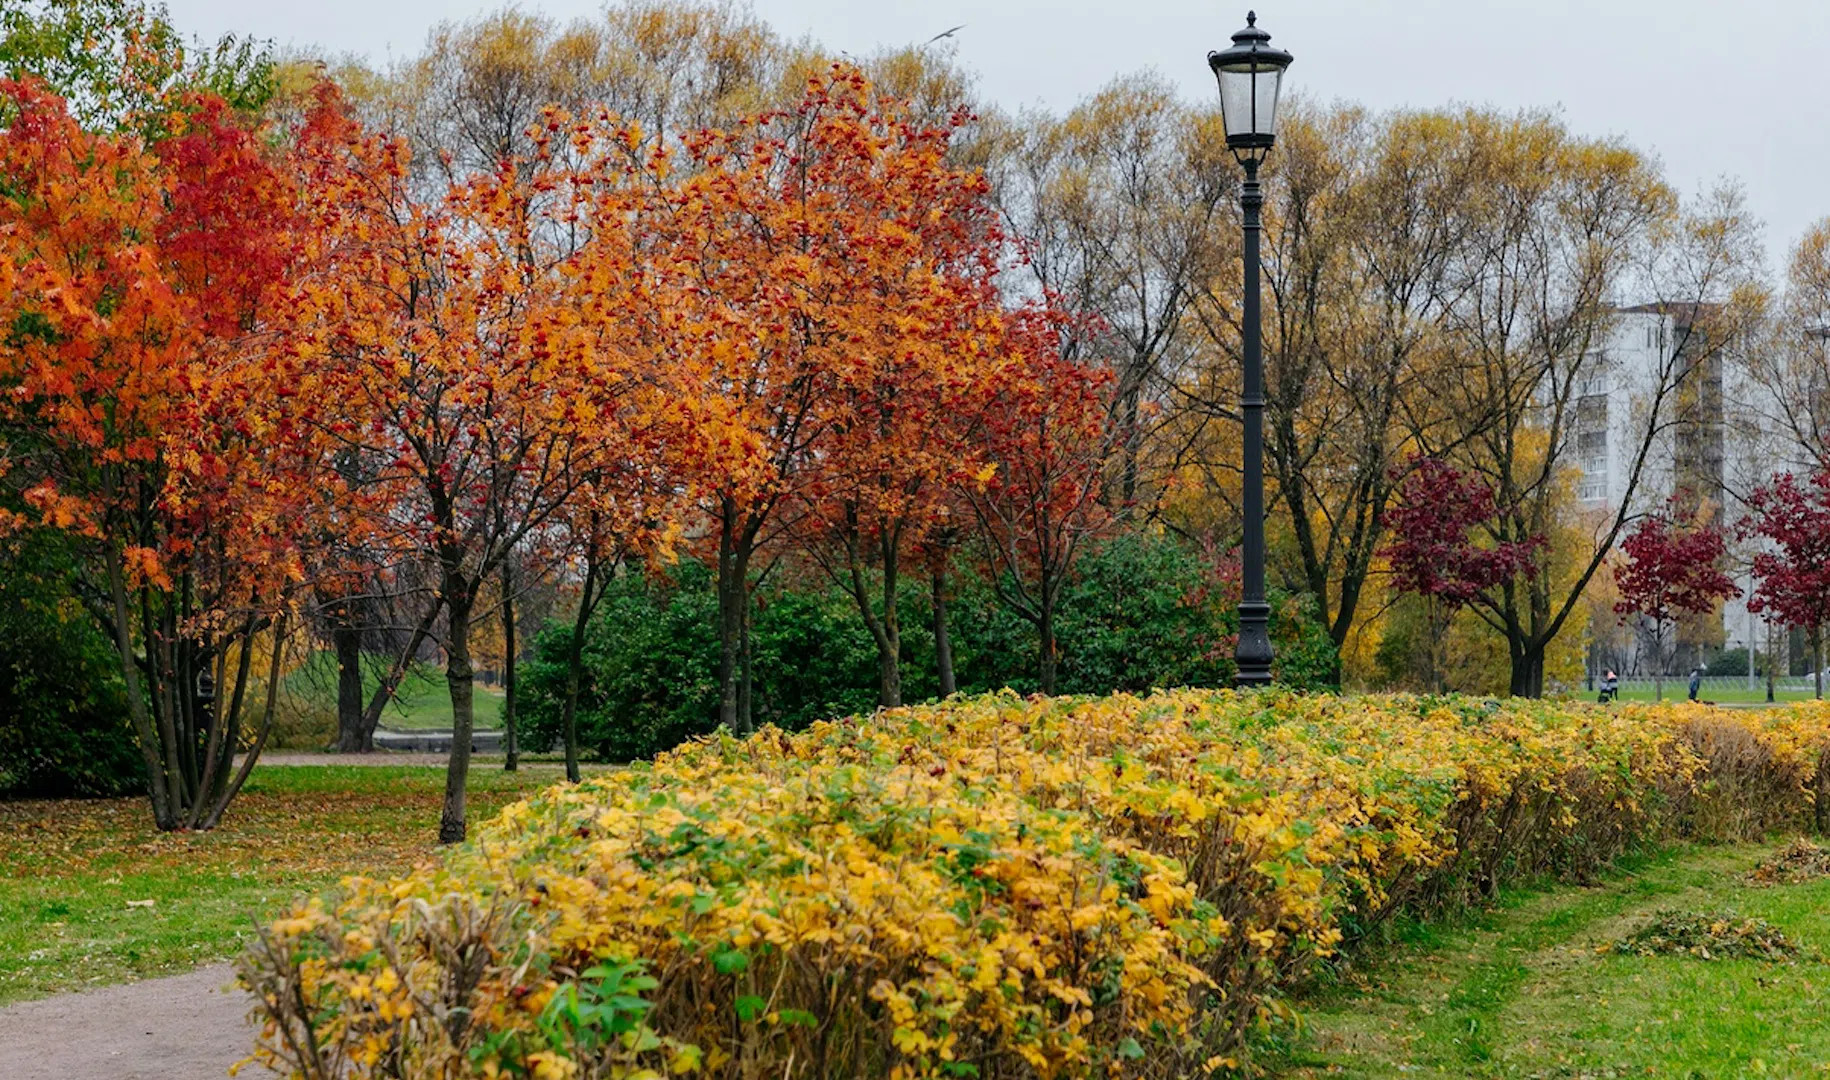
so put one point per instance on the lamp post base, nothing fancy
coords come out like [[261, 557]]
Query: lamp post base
[[1253, 654]]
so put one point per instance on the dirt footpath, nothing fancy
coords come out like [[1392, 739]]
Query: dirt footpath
[[186, 1027]]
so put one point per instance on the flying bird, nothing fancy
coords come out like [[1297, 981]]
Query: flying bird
[[942, 34]]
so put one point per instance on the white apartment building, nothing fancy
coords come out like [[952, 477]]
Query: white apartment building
[[1716, 441]]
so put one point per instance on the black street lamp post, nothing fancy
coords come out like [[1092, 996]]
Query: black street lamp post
[[1250, 74]]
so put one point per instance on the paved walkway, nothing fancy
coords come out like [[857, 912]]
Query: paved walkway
[[186, 1027]]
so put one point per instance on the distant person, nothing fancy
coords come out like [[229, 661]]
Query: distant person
[[1696, 682], [1610, 687]]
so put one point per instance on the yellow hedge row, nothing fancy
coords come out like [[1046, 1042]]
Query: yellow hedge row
[[992, 887]]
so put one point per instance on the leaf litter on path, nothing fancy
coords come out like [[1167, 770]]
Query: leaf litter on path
[[1797, 862], [1708, 935]]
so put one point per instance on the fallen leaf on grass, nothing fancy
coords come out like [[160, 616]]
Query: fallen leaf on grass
[[1707, 936]]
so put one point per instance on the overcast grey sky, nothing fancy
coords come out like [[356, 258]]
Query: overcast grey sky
[[1740, 89]]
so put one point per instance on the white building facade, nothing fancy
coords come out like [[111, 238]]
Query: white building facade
[[1713, 440]]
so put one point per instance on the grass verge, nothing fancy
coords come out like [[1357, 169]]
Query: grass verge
[[422, 702], [91, 893], [1532, 989]]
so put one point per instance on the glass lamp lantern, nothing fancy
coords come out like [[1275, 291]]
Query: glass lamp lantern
[[1250, 74]]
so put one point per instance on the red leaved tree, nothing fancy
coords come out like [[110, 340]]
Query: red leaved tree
[[1673, 567], [1793, 573], [1433, 553], [1038, 500]]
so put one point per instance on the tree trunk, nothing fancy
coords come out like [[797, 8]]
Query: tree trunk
[[1658, 661], [885, 627], [233, 787], [164, 814], [352, 736], [746, 685], [1528, 671], [1817, 662], [384, 690], [575, 664], [889, 667], [1772, 662], [511, 760], [1433, 648], [943, 642], [733, 571], [1045, 629], [459, 678]]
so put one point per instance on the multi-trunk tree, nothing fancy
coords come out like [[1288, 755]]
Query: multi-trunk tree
[[1040, 499], [1565, 225], [827, 273], [135, 276]]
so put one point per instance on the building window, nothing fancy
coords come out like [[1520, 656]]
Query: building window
[[1592, 446]]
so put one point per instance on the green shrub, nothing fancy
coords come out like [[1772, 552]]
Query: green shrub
[[1143, 610], [651, 664], [63, 712]]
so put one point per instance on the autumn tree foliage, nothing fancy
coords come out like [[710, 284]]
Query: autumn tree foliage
[[1041, 497], [829, 301], [907, 398], [1790, 518], [1434, 552], [132, 277], [1672, 567], [451, 362]]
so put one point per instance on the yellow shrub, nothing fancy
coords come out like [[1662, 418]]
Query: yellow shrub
[[995, 887]]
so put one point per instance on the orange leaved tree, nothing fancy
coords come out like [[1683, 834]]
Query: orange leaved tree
[[912, 259], [829, 283], [453, 360], [133, 274]]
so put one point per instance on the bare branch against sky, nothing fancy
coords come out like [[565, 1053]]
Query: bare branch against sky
[[1713, 89]]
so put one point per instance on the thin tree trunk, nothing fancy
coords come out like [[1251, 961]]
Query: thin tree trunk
[[459, 678], [943, 642], [732, 572], [1772, 662], [164, 815], [384, 691], [746, 687], [1045, 629], [158, 665], [260, 740], [220, 730], [1817, 662], [575, 652], [346, 639], [511, 760], [885, 628]]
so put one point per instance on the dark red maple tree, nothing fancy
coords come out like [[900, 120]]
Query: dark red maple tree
[[1673, 567], [1792, 573], [1433, 553]]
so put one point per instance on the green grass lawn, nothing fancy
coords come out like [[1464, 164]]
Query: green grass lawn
[[1677, 689], [1530, 990], [75, 875], [422, 703]]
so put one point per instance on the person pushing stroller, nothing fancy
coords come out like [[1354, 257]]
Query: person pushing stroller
[[1610, 687]]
